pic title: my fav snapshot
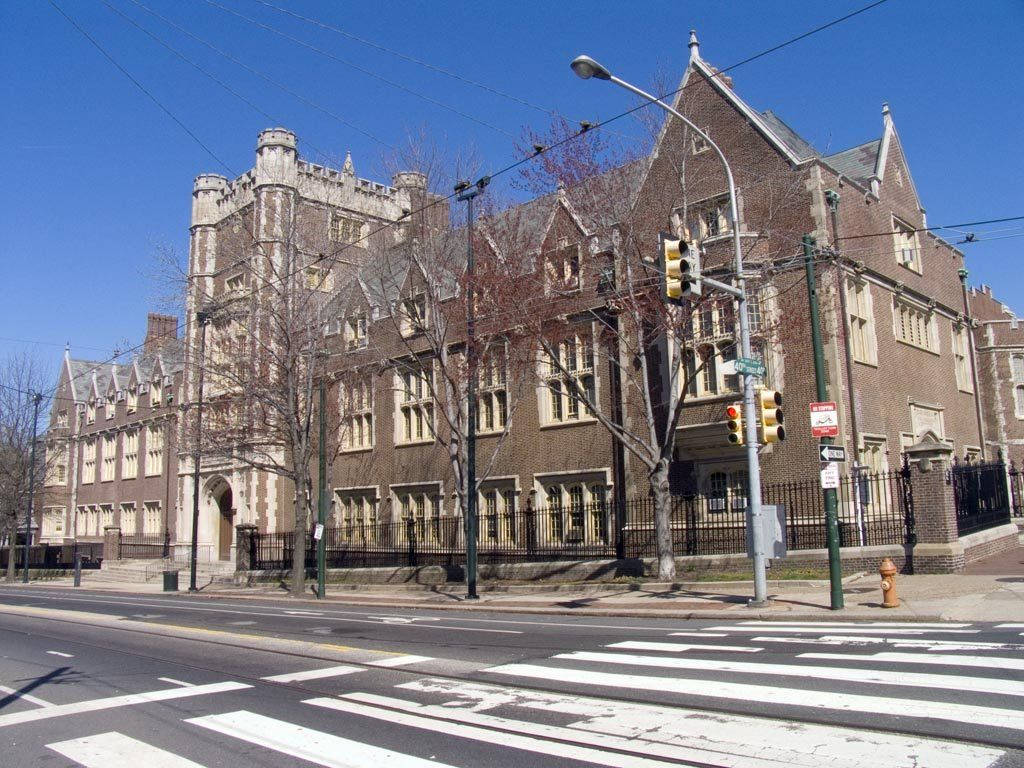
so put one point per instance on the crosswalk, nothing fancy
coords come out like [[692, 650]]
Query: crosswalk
[[743, 695]]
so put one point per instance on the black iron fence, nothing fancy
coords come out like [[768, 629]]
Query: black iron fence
[[136, 547], [873, 509], [54, 556], [1016, 491], [981, 495]]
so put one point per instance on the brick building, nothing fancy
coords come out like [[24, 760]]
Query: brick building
[[894, 318], [999, 344]]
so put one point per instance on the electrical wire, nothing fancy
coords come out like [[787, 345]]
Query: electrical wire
[[363, 70], [263, 76]]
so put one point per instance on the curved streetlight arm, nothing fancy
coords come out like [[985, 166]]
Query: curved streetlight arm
[[749, 407]]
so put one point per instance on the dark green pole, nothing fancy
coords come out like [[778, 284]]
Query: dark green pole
[[835, 572], [321, 543]]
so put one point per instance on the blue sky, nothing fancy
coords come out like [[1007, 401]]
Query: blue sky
[[97, 176]]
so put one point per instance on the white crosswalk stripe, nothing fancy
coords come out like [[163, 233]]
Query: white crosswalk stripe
[[115, 750], [642, 645], [307, 744], [313, 674], [944, 659]]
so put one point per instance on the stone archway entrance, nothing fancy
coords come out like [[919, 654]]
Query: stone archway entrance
[[221, 494]]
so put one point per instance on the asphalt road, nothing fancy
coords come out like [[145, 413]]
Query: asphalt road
[[94, 678]]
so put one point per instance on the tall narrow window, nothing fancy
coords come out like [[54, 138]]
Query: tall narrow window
[[570, 380], [416, 404], [414, 316], [357, 415], [355, 331], [152, 521], [863, 345], [130, 454], [1017, 376], [914, 325], [89, 461], [109, 458], [154, 451], [492, 400], [905, 242], [128, 519], [961, 358]]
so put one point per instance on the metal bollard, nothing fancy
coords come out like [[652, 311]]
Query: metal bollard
[[887, 570], [78, 569]]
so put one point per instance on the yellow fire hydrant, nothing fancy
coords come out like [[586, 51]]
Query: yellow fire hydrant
[[887, 570]]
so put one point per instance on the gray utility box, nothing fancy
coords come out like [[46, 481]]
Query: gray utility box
[[773, 531]]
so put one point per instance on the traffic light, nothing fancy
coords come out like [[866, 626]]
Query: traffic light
[[734, 421], [769, 405], [680, 268]]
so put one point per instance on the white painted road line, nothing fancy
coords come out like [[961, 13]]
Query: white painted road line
[[1009, 626], [400, 661], [172, 681], [945, 659], [489, 735], [95, 705], [307, 744], [313, 674], [898, 642], [697, 634], [792, 743], [24, 696], [797, 697], [643, 645], [241, 623], [880, 676], [849, 629], [62, 654], [115, 750]]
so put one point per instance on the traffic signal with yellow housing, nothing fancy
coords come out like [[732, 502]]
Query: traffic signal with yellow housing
[[734, 422], [770, 418], [680, 268]]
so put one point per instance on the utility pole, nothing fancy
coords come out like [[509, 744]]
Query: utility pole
[[321, 517], [835, 573], [466, 191], [36, 399], [203, 316]]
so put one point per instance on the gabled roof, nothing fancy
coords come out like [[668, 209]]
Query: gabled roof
[[796, 144], [857, 163], [80, 376]]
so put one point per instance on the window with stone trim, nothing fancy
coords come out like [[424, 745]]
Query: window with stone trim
[[90, 411], [914, 325], [108, 468], [726, 489], [345, 229], [492, 394], [576, 509], [906, 245], [152, 519], [497, 511], [128, 524], [106, 516], [709, 218], [89, 461], [961, 357], [562, 269], [57, 464], [415, 407], [130, 454], [62, 418], [863, 342], [110, 404], [356, 406], [53, 522], [355, 331], [319, 278], [414, 316], [424, 506], [873, 453], [132, 399], [698, 143], [156, 392], [355, 513], [713, 329], [154, 451], [569, 373]]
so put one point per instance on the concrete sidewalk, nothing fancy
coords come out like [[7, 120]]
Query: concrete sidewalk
[[989, 590]]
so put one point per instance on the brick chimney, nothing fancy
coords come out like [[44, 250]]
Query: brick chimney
[[160, 329]]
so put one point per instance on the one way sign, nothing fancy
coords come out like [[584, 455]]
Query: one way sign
[[832, 452]]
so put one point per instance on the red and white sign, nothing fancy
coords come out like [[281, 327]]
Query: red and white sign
[[824, 420]]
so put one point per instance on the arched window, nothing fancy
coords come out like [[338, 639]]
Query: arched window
[[738, 486], [576, 506], [1018, 400]]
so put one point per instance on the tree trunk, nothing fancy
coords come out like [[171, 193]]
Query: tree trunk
[[299, 551], [662, 522]]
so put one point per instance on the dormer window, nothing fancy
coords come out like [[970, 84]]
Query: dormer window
[[90, 412], [235, 284], [156, 392], [62, 419], [110, 405], [906, 245], [319, 279], [710, 218], [562, 269], [414, 317], [133, 399], [345, 229], [355, 331]]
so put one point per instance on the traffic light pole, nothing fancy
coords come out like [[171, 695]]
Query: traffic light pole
[[36, 399], [321, 516], [754, 520], [835, 573]]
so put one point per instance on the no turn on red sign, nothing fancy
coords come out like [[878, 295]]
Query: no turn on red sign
[[824, 420]]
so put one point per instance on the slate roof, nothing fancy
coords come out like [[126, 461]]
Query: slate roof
[[856, 163], [793, 141]]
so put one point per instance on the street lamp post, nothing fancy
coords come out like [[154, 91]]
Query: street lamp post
[[467, 192], [36, 399], [586, 68], [203, 316]]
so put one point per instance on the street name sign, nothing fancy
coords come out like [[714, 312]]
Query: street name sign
[[824, 420], [832, 452], [830, 475], [750, 366]]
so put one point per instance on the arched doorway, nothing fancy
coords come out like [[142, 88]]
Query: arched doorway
[[220, 493]]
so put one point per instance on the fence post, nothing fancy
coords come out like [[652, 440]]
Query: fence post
[[1016, 491], [531, 527], [938, 548], [245, 547], [410, 534], [111, 543]]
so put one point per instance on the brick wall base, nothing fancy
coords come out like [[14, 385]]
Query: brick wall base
[[990, 542]]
